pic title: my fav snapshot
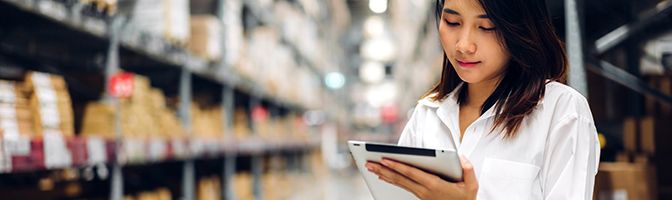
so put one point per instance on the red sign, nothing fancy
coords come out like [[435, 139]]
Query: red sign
[[121, 85]]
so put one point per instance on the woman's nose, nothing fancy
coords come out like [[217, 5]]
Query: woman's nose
[[465, 45]]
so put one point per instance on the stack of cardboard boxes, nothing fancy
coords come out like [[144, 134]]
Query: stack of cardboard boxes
[[39, 105], [143, 115], [50, 104], [639, 172]]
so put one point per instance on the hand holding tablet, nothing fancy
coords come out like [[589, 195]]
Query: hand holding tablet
[[425, 165]]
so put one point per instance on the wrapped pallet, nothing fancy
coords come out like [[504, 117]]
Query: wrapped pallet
[[206, 37]]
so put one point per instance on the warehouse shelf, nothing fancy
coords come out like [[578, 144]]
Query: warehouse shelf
[[88, 151], [150, 48]]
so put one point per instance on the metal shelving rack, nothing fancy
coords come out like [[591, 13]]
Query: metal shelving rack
[[110, 30]]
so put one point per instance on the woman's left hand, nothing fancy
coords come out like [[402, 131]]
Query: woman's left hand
[[424, 185]]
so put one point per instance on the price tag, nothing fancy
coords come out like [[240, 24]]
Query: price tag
[[121, 85], [96, 150]]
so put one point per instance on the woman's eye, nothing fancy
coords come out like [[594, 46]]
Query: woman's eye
[[452, 23], [487, 29]]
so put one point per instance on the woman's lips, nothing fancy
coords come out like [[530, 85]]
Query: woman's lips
[[467, 64]]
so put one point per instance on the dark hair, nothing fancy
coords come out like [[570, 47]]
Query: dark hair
[[524, 28]]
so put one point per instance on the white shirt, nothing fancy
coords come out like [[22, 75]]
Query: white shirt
[[553, 156]]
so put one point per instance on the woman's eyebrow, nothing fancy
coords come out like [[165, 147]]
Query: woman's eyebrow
[[451, 11]]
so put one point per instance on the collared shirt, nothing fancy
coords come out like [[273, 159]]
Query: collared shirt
[[554, 155]]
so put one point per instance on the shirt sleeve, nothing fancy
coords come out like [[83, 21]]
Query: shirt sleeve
[[408, 135], [571, 159]]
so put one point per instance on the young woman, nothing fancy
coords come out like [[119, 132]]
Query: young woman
[[521, 134]]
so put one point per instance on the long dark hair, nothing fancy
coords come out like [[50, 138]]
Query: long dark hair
[[537, 55]]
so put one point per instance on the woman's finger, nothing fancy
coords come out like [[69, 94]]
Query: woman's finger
[[392, 177], [468, 173], [413, 173]]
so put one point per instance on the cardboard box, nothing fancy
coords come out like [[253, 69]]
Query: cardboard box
[[206, 33], [625, 181], [209, 188], [242, 184], [241, 124], [665, 86], [630, 128], [655, 133]]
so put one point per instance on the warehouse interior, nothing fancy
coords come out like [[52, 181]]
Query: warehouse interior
[[255, 99]]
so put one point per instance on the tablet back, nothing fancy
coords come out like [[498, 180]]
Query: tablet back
[[444, 163]]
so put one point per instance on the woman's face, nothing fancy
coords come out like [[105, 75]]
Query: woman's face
[[470, 42]]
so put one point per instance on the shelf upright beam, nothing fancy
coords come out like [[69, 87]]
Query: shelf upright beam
[[229, 170], [257, 159], [188, 172], [577, 72], [111, 68], [228, 104]]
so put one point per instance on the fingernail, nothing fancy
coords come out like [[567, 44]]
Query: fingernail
[[368, 166], [385, 162]]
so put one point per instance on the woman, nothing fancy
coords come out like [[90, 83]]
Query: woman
[[521, 134]]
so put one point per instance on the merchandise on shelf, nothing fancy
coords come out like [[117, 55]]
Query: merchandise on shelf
[[50, 104], [242, 184], [15, 114], [241, 123], [144, 115], [104, 6], [206, 37], [625, 181], [207, 122], [233, 31], [159, 194], [166, 18], [209, 188]]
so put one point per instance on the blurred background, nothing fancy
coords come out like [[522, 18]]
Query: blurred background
[[254, 99]]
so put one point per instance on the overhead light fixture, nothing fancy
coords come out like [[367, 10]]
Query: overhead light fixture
[[374, 26], [334, 80], [372, 72], [378, 6]]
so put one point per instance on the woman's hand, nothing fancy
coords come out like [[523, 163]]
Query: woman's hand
[[424, 185]]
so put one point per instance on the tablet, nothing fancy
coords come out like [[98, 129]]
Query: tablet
[[441, 162]]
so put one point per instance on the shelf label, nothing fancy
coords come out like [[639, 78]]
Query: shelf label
[[16, 145], [56, 154], [96, 150], [157, 149], [121, 85]]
